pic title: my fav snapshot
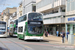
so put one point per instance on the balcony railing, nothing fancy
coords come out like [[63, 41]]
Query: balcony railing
[[54, 21], [54, 15], [59, 2]]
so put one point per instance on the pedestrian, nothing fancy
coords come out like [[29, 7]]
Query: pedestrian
[[57, 33], [63, 36], [46, 35], [67, 34]]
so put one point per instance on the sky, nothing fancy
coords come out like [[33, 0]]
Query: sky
[[8, 3]]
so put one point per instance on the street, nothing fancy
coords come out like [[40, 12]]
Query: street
[[13, 43], [52, 22]]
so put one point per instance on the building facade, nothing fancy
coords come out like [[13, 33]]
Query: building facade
[[19, 10], [70, 18], [53, 14], [12, 18], [0, 16], [28, 6], [5, 15]]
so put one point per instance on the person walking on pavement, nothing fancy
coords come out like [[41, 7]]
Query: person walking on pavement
[[67, 34], [46, 34], [63, 36], [57, 33]]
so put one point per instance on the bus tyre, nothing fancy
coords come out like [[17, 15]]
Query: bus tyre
[[39, 40], [10, 35], [18, 38]]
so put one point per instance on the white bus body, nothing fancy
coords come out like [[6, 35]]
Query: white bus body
[[3, 29], [23, 27]]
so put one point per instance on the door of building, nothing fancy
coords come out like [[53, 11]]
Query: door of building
[[51, 31], [63, 28], [54, 30]]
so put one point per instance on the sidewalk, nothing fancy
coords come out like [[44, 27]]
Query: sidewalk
[[55, 40]]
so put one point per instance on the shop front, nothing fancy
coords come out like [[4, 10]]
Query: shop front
[[52, 28], [70, 26]]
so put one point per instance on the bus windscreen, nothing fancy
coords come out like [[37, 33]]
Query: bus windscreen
[[2, 28], [34, 17]]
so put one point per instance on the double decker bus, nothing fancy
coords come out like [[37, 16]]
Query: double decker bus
[[13, 28], [3, 29], [30, 26]]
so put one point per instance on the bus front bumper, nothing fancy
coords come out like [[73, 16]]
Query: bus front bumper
[[33, 38], [4, 35]]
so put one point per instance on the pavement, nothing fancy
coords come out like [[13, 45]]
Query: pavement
[[56, 40]]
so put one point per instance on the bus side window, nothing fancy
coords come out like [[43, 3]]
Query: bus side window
[[25, 28]]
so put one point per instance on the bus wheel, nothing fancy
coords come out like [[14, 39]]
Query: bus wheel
[[39, 40], [19, 38], [11, 36]]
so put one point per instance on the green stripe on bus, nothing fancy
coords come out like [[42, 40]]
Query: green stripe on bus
[[15, 33], [20, 36]]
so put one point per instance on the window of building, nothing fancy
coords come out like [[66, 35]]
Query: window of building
[[56, 0], [68, 7], [59, 16], [43, 3], [74, 4], [34, 8], [54, 17], [72, 0], [68, 0], [62, 9], [2, 19], [72, 7]]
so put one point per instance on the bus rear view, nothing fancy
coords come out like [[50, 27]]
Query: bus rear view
[[3, 29]]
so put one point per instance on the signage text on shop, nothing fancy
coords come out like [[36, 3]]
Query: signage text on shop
[[71, 19]]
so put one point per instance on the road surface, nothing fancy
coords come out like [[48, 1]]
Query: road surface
[[13, 43]]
